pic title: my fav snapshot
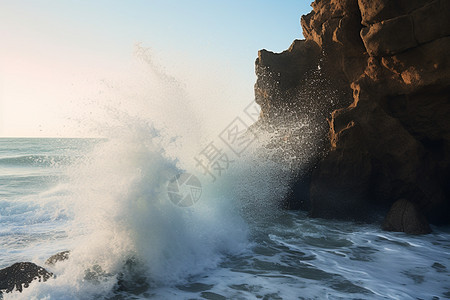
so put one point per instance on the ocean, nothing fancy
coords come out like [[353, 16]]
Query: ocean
[[118, 205]]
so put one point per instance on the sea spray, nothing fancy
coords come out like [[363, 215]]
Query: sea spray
[[124, 232], [129, 240], [121, 225], [121, 213]]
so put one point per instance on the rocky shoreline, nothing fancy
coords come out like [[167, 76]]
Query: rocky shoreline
[[382, 110], [374, 76]]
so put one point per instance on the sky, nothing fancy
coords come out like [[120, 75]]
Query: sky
[[56, 55]]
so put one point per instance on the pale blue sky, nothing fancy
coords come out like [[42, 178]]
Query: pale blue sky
[[53, 51]]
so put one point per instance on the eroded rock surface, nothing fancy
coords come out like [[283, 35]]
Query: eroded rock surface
[[385, 92]]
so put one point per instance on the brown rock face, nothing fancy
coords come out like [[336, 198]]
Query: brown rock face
[[389, 37], [387, 102]]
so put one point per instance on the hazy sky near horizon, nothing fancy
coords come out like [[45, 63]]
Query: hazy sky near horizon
[[57, 55]]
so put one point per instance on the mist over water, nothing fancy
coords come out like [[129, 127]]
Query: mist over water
[[120, 221], [107, 201]]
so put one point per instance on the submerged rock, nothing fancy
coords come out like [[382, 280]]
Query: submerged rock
[[20, 275], [61, 256], [384, 95]]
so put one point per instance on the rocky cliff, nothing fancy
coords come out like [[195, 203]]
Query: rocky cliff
[[374, 75]]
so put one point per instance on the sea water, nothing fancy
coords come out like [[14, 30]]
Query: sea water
[[106, 201], [120, 204]]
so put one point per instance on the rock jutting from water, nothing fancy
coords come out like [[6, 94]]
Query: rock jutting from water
[[385, 66], [19, 275]]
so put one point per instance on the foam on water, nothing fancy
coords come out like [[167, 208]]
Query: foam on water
[[121, 213]]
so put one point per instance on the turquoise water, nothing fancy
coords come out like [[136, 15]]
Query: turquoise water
[[105, 201]]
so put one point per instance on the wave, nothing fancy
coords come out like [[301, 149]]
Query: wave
[[35, 160], [126, 227], [123, 227]]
